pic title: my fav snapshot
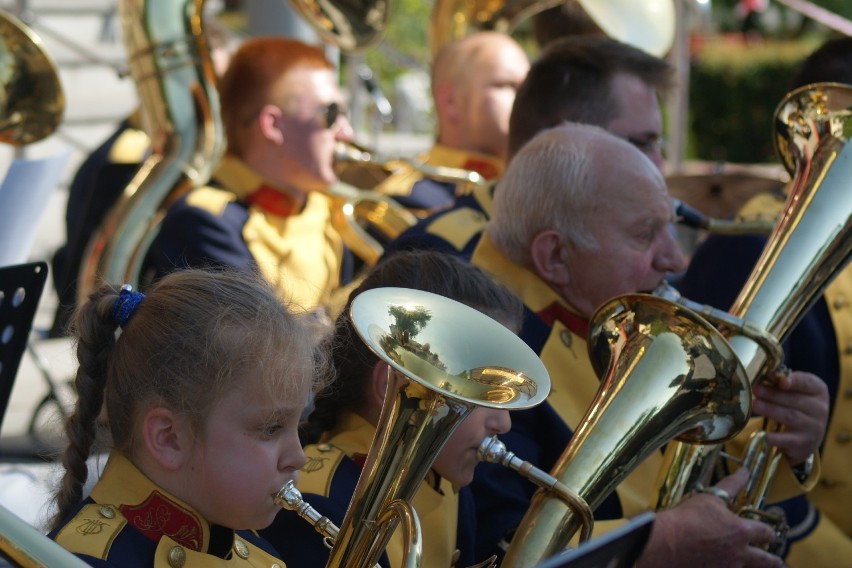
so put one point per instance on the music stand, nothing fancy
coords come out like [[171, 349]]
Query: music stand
[[21, 286], [618, 548]]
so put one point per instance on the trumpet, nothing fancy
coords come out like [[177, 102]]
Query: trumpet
[[444, 359]]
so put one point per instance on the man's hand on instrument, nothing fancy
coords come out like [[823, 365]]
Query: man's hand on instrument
[[799, 401], [702, 531]]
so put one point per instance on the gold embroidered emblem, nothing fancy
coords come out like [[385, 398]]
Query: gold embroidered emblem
[[314, 464], [91, 526]]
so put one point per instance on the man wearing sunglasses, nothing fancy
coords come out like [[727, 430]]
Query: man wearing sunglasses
[[265, 207]]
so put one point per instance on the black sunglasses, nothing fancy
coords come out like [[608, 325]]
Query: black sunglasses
[[330, 113]]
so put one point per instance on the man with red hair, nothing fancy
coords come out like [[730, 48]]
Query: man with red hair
[[265, 206]]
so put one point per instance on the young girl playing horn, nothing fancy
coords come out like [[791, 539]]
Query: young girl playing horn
[[341, 427], [204, 381]]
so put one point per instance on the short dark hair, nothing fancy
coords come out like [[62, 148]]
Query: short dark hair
[[430, 271], [570, 81], [832, 61]]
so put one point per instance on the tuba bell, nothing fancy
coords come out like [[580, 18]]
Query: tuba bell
[[808, 247], [31, 97], [666, 373], [444, 359]]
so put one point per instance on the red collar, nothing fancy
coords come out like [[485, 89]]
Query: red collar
[[482, 167], [159, 516], [558, 312], [272, 201]]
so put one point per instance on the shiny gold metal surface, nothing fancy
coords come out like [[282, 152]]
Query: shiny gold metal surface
[[445, 359], [31, 97], [648, 25], [352, 26], [26, 547], [666, 373], [169, 59], [808, 247]]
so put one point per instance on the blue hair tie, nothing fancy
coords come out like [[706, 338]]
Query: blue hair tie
[[125, 305]]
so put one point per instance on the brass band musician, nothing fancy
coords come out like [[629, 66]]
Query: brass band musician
[[283, 114], [596, 226], [474, 80]]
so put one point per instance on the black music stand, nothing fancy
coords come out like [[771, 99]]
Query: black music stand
[[21, 286], [619, 548]]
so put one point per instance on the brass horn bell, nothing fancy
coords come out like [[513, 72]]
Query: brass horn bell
[[31, 98], [445, 359]]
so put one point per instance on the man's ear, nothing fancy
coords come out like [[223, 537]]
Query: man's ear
[[446, 100], [166, 437], [269, 122], [549, 259]]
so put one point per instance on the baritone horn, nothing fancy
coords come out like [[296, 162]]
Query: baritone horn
[[445, 359], [31, 97], [808, 247], [666, 373]]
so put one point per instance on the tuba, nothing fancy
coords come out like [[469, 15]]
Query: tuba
[[444, 359], [31, 98], [809, 245], [666, 373], [169, 59]]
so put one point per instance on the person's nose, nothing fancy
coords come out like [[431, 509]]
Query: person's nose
[[292, 458], [498, 422], [343, 129], [669, 257]]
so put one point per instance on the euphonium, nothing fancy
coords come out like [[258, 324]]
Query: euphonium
[[809, 245], [665, 373], [445, 359], [169, 59]]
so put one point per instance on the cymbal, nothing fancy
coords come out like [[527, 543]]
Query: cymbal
[[720, 190]]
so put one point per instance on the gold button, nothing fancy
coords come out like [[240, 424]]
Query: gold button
[[848, 349], [177, 557], [275, 565], [241, 549], [565, 336], [107, 512], [847, 392], [843, 437], [825, 482], [324, 447], [839, 302]]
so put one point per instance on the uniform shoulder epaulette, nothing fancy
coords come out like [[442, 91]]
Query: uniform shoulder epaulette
[[458, 226], [210, 199], [92, 530], [130, 147], [321, 462]]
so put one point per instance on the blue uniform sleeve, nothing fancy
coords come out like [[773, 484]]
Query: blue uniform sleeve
[[191, 237]]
